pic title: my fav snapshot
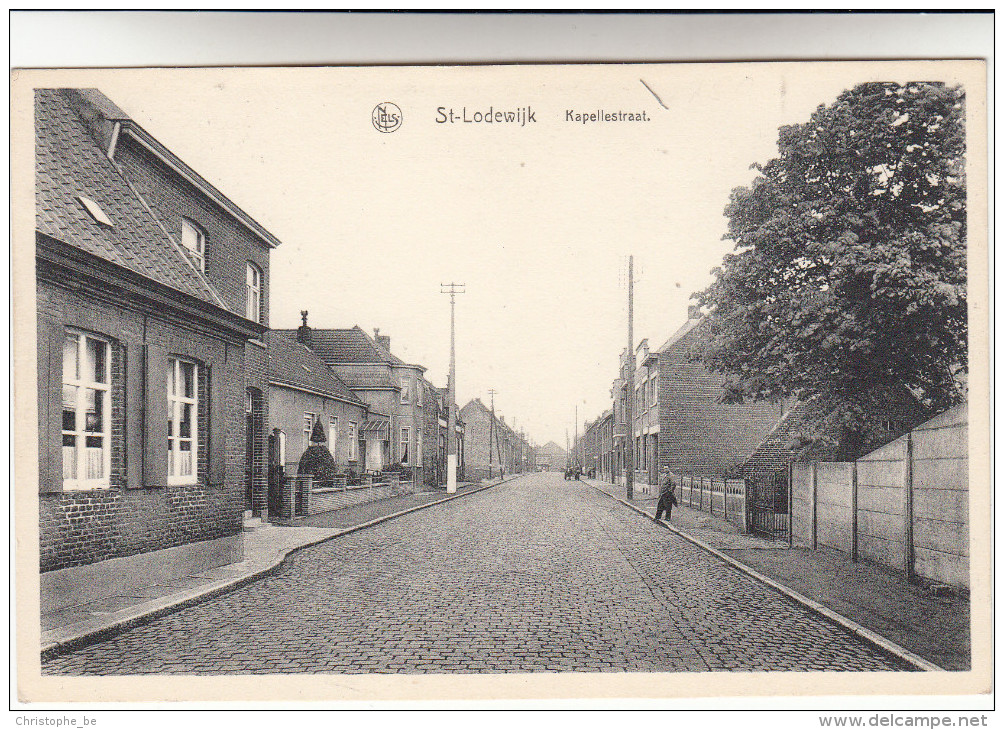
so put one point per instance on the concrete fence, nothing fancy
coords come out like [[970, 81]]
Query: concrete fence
[[905, 505], [725, 498]]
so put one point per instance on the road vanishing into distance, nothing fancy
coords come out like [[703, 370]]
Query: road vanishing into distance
[[535, 574]]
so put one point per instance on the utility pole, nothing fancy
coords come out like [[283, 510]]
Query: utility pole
[[568, 451], [491, 434], [578, 451], [451, 423], [629, 379]]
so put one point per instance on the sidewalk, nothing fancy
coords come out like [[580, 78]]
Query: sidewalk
[[264, 550], [935, 628]]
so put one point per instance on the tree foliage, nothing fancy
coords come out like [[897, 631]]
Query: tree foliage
[[848, 279]]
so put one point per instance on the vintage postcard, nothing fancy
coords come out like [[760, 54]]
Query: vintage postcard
[[488, 382]]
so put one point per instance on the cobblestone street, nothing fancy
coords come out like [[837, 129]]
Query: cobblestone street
[[537, 574]]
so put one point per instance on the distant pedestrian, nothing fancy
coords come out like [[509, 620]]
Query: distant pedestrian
[[667, 499]]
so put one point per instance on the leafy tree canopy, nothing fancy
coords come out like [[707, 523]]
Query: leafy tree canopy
[[848, 279]]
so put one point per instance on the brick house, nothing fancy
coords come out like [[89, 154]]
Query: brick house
[[594, 451], [303, 391], [383, 381], [489, 443], [552, 457], [434, 431], [152, 302], [698, 434]]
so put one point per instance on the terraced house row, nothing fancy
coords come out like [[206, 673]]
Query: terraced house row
[[491, 447], [168, 412]]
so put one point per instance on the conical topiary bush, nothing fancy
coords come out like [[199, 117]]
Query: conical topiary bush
[[317, 460]]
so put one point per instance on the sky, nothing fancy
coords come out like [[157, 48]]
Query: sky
[[537, 220]]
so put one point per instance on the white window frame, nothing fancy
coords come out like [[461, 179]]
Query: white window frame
[[253, 280], [174, 403], [80, 432], [193, 238], [419, 393], [405, 390], [353, 441], [405, 444], [333, 436], [308, 426]]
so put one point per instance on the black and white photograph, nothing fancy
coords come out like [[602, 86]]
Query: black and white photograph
[[424, 381]]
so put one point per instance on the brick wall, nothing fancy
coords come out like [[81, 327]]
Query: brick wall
[[229, 245], [697, 434], [477, 432], [132, 516]]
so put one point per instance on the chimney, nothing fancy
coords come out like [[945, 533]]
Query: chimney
[[303, 331], [382, 340], [694, 311]]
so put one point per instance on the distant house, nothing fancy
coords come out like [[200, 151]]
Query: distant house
[[152, 292], [552, 457], [386, 384], [302, 392]]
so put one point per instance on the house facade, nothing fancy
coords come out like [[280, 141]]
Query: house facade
[[491, 446], [303, 392], [698, 434], [434, 434], [551, 457], [151, 355], [387, 384]]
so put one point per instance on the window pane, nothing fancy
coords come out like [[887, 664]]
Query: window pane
[[70, 350], [185, 424], [95, 458], [185, 462], [70, 407], [96, 354], [172, 377], [95, 414], [69, 457], [188, 379]]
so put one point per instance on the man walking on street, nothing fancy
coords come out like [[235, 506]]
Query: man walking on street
[[667, 498]]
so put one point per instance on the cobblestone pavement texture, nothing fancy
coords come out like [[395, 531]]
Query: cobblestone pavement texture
[[536, 574], [879, 598]]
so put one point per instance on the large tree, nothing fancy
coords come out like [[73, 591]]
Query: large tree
[[848, 279]]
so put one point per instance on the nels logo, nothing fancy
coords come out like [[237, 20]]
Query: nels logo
[[387, 117]]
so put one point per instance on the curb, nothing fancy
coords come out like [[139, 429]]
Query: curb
[[87, 638], [829, 614]]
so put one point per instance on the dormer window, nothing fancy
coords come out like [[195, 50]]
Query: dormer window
[[253, 293], [193, 238], [95, 210]]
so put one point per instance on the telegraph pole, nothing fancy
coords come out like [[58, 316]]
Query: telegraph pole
[[629, 379], [491, 434], [578, 454], [451, 424]]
